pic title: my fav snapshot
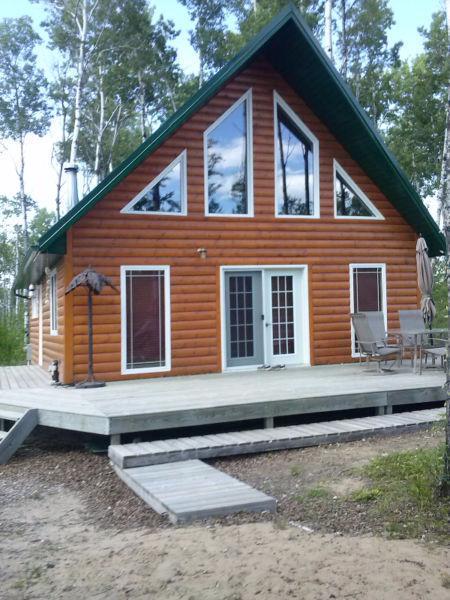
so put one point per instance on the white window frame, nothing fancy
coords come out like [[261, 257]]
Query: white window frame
[[278, 101], [338, 169], [182, 160], [353, 266], [53, 304], [35, 300], [247, 97], [123, 317]]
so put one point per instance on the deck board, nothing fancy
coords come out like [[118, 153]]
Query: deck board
[[168, 402], [277, 438], [191, 490]]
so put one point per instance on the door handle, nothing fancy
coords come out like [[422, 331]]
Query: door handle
[[268, 324]]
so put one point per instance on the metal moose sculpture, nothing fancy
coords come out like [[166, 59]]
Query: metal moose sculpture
[[94, 282]]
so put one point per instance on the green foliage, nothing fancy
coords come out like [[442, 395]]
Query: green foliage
[[23, 105], [407, 492], [440, 293], [366, 495], [416, 125], [12, 336]]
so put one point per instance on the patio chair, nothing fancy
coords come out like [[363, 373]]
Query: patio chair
[[411, 320], [378, 327], [437, 349], [371, 346]]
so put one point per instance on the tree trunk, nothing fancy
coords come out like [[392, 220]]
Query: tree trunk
[[445, 487], [344, 50], [81, 68], [329, 29], [101, 125], [143, 116], [23, 198]]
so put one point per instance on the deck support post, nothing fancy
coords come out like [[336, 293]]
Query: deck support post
[[268, 423], [380, 410], [115, 439]]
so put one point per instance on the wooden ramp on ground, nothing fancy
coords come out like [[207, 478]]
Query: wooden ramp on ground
[[191, 490], [265, 440]]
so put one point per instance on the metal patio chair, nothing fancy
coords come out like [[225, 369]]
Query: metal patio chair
[[378, 327], [411, 321], [371, 346]]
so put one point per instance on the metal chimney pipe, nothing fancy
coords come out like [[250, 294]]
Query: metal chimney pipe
[[72, 187]]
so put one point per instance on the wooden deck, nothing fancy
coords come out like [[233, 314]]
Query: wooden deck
[[172, 402]]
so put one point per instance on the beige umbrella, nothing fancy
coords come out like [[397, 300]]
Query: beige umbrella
[[425, 281]]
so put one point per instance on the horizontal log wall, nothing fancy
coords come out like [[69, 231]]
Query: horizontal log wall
[[53, 345], [106, 239]]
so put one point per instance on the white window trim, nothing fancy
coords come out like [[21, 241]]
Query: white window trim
[[182, 159], [53, 277], [247, 97], [35, 304], [123, 317], [278, 101], [353, 266], [337, 168]]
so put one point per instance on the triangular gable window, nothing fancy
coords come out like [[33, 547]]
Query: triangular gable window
[[350, 200], [166, 194]]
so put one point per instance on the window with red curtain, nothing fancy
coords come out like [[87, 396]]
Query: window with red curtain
[[145, 315]]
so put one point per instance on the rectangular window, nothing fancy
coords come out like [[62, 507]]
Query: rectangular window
[[53, 294], [367, 291], [228, 162], [145, 319], [296, 164], [35, 303]]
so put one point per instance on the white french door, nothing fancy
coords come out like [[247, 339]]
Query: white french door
[[265, 317], [283, 316]]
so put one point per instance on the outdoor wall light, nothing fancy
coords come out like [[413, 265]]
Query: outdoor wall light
[[202, 252], [30, 290]]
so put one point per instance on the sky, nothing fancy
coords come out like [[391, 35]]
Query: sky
[[41, 173]]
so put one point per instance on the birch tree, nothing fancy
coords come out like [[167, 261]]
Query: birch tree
[[445, 487], [328, 28], [23, 107]]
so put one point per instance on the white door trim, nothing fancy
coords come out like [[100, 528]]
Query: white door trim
[[302, 317]]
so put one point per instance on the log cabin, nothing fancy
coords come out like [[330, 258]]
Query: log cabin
[[241, 234]]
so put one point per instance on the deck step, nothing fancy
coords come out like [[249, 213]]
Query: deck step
[[14, 438], [191, 490], [8, 414], [264, 440]]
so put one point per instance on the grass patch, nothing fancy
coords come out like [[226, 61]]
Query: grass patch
[[405, 493], [366, 495], [316, 493], [295, 471]]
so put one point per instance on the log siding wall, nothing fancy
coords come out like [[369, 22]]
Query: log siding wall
[[53, 345], [107, 239]]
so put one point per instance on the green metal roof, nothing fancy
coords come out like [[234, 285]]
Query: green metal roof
[[289, 45]]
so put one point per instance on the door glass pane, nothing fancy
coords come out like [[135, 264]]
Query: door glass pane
[[241, 316], [145, 316], [283, 338]]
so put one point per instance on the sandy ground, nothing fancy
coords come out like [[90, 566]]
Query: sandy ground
[[64, 535]]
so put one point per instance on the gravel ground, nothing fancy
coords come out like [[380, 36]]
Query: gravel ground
[[311, 485]]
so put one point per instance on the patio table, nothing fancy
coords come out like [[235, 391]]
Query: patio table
[[418, 337]]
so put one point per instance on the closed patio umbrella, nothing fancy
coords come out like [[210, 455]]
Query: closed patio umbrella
[[425, 281]]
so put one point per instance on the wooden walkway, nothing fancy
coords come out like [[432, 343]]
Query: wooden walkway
[[193, 490], [20, 377], [265, 440]]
